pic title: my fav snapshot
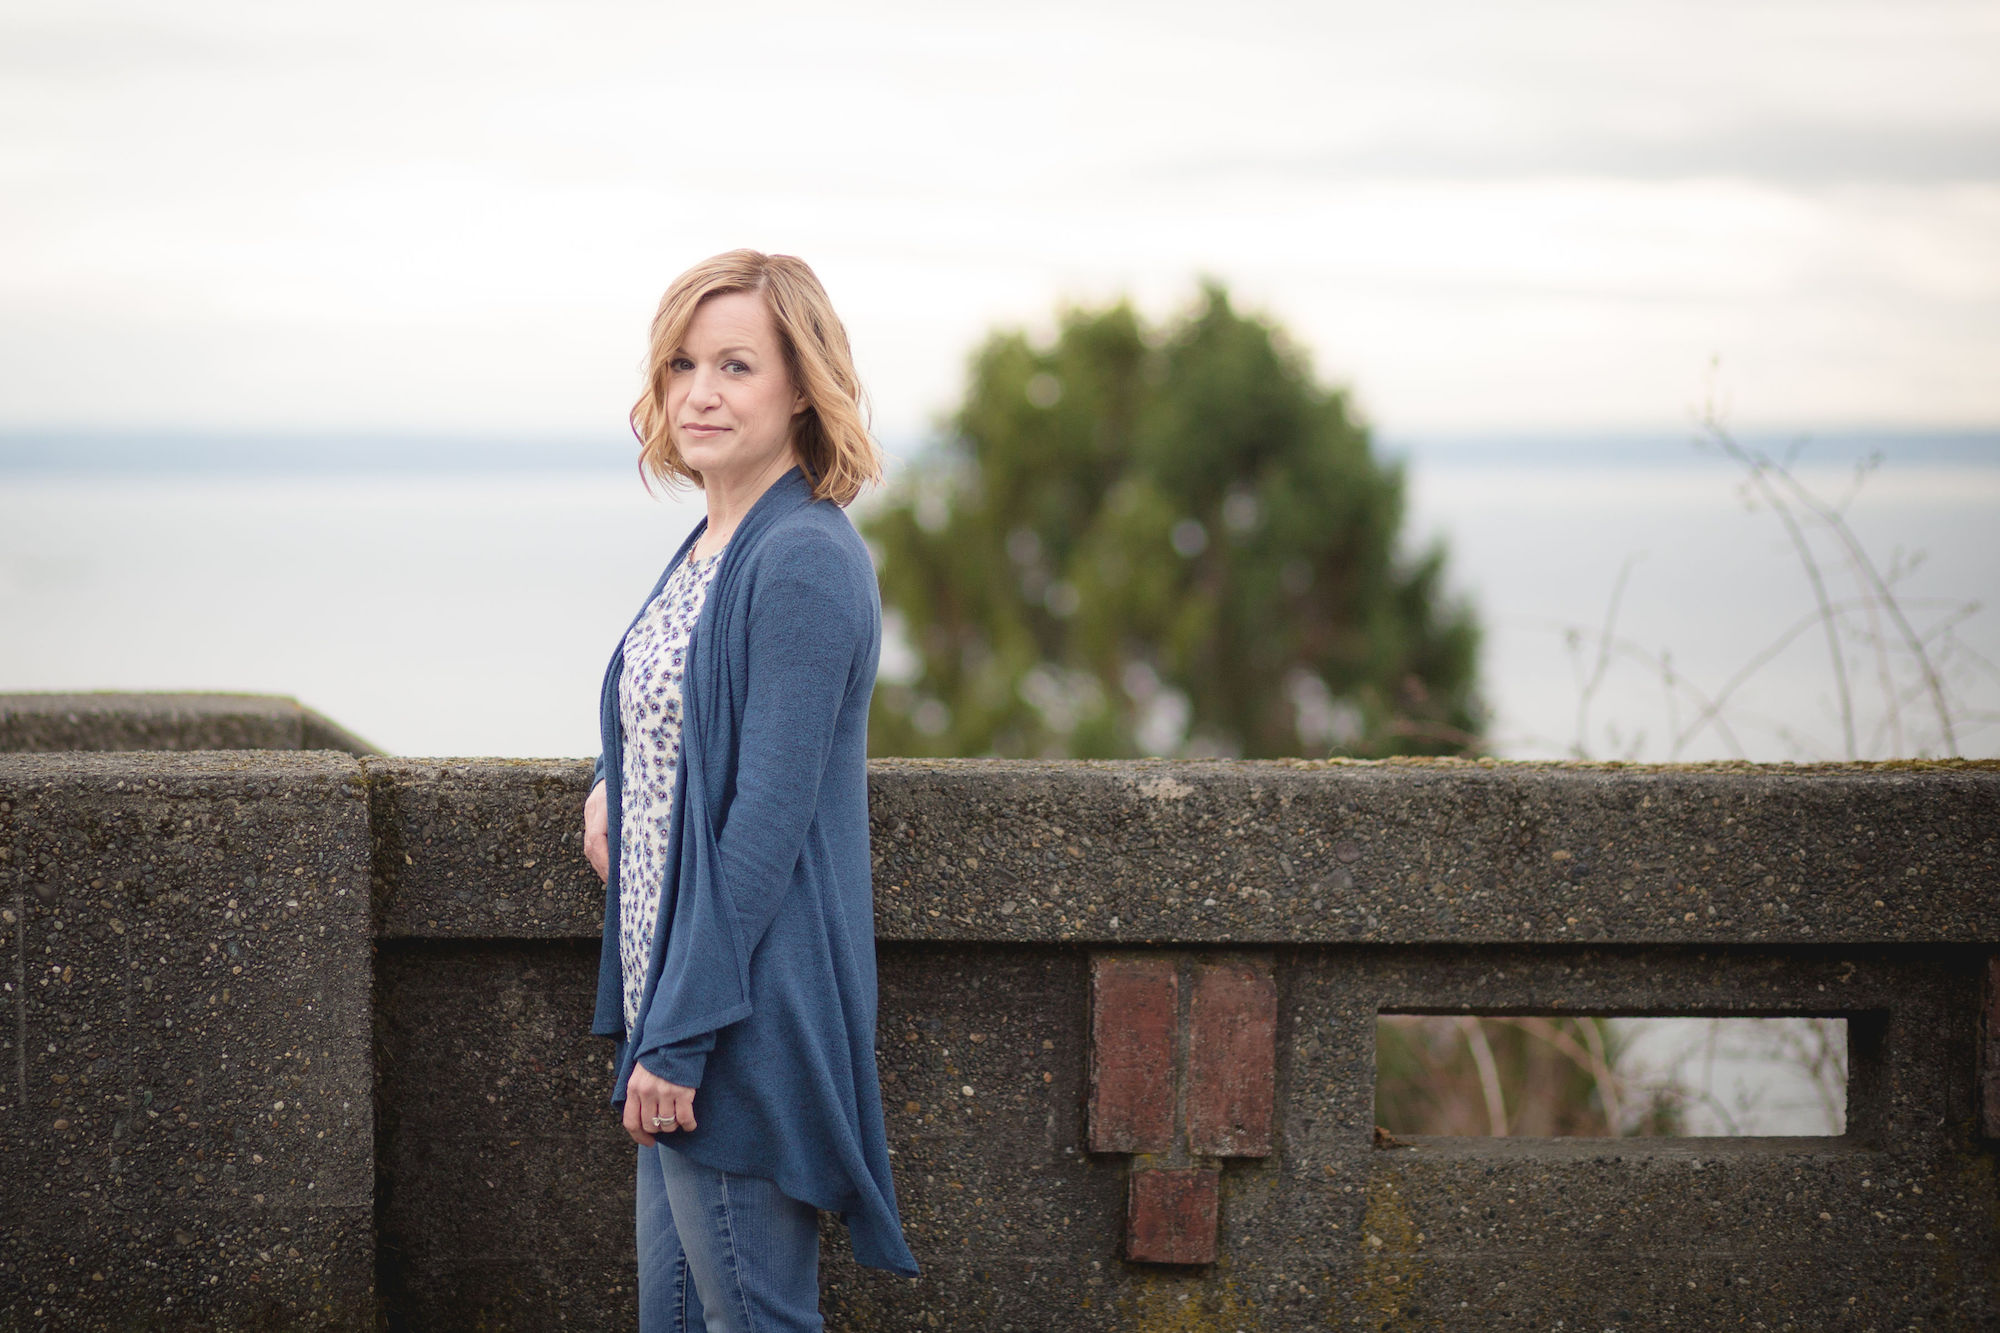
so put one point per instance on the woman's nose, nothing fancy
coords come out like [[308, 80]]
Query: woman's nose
[[703, 392]]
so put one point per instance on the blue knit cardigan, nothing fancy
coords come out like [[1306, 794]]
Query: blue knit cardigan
[[761, 988]]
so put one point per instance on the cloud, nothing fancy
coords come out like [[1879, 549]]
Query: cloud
[[1781, 153]]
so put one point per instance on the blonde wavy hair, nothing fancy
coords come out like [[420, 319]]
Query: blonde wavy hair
[[837, 453]]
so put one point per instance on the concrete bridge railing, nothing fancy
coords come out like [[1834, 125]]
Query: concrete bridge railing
[[298, 1040]]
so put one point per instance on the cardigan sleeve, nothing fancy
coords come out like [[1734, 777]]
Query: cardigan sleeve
[[810, 621]]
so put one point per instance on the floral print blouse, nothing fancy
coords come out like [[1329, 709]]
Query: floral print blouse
[[657, 648]]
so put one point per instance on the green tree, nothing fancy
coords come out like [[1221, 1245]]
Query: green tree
[[1164, 543]]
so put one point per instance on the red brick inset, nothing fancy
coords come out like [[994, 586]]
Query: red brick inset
[[1172, 1216], [1232, 1060], [1989, 1054], [1134, 1023]]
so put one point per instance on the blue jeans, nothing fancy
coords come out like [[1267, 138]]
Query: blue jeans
[[721, 1252]]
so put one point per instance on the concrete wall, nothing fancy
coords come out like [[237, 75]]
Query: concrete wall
[[501, 1189], [48, 723], [187, 1116]]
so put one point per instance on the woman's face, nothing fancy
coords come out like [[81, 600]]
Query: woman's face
[[729, 395]]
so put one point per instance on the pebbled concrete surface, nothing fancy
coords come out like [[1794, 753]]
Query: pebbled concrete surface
[[1283, 852], [502, 1191], [1891, 1226], [505, 1187], [186, 1122], [1299, 851], [482, 848], [43, 723]]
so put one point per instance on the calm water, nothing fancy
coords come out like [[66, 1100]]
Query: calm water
[[1710, 585], [459, 615]]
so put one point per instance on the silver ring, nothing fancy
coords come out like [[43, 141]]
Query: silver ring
[[662, 1121]]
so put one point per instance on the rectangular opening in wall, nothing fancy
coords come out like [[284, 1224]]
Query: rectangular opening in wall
[[1561, 1076]]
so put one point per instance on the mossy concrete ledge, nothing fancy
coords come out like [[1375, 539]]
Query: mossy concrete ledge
[[1294, 852], [195, 1025], [1283, 852], [44, 723]]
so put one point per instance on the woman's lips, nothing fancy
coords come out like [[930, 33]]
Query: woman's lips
[[705, 430]]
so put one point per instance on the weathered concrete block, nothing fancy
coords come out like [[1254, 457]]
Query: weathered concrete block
[[43, 723], [1473, 1232], [1232, 1059], [505, 1188], [504, 1191], [1989, 1051], [1434, 851], [488, 848], [187, 1122], [1134, 1044], [1012, 1218], [1172, 1215], [1018, 1225]]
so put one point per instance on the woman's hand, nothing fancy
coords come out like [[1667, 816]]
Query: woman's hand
[[596, 829], [655, 1106]]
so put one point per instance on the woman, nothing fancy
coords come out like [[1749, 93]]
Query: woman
[[730, 817]]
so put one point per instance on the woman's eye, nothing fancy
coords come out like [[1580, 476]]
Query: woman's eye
[[680, 363], [736, 367]]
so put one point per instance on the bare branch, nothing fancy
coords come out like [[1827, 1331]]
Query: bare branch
[[1489, 1074], [1866, 568], [1718, 434], [1604, 642]]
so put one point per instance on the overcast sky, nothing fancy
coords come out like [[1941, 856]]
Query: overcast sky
[[419, 216]]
